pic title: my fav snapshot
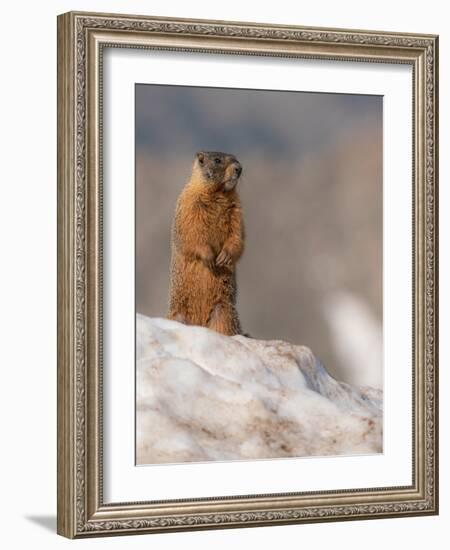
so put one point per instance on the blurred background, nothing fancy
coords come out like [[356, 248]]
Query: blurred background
[[311, 190]]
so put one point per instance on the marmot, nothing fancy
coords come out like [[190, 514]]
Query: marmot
[[207, 241]]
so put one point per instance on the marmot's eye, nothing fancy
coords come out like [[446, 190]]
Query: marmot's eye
[[217, 160]]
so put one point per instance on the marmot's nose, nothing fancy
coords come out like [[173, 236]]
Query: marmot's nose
[[237, 170]]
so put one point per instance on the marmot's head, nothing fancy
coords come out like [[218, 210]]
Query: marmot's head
[[220, 170]]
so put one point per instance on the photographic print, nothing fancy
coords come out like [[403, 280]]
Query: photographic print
[[259, 246], [247, 274]]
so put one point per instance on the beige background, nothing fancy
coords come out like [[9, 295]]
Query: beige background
[[312, 198]]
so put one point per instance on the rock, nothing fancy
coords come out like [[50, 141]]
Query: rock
[[202, 396]]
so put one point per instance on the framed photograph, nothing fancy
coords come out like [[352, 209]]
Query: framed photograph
[[247, 274]]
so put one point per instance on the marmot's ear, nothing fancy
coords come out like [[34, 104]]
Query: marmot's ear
[[201, 158]]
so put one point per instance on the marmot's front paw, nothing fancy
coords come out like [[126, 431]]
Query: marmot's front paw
[[210, 264], [209, 259], [224, 259]]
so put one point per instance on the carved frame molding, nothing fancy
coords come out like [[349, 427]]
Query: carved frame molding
[[81, 39]]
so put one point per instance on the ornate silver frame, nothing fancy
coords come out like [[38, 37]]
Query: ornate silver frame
[[81, 39]]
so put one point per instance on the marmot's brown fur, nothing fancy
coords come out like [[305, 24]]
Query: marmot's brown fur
[[207, 241]]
